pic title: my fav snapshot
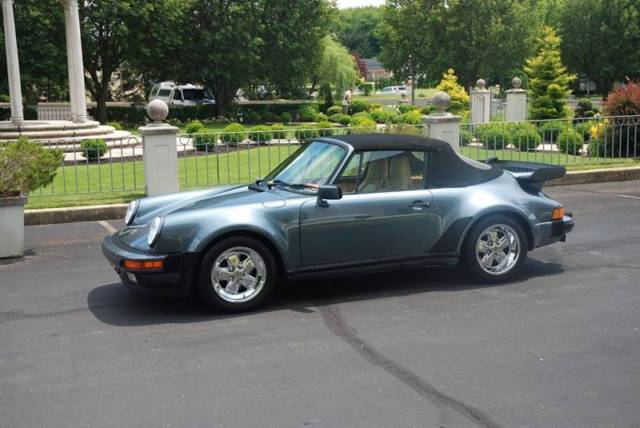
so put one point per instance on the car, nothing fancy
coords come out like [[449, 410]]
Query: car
[[394, 90], [340, 205], [180, 95]]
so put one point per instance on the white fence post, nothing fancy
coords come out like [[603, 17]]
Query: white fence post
[[481, 103], [443, 125], [516, 109], [160, 152]]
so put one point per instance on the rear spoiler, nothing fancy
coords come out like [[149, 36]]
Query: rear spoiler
[[530, 175]]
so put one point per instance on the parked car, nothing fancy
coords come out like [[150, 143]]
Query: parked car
[[393, 90], [174, 94], [339, 205]]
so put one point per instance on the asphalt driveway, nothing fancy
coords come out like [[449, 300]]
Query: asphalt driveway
[[557, 347]]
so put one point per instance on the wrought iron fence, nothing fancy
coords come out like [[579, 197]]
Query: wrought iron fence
[[596, 140]]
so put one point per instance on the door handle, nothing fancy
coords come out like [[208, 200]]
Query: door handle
[[418, 205]]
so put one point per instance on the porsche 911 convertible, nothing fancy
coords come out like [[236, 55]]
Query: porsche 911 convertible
[[339, 205]]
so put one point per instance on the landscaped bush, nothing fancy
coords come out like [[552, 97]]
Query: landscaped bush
[[285, 117], [205, 142], [342, 119], [25, 166], [307, 114], [93, 149], [570, 141], [466, 137], [252, 117], [403, 128], [406, 108], [413, 117], [428, 109], [118, 126], [585, 108], [305, 133], [459, 97], [194, 127], [326, 129], [278, 131], [321, 117], [494, 136], [359, 106], [381, 115], [359, 116], [549, 130], [261, 134], [524, 136], [623, 134], [233, 133], [334, 110], [363, 125]]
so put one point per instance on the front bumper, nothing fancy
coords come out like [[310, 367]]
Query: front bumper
[[553, 231], [175, 279]]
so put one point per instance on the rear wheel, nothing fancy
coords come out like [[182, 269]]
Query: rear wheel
[[495, 249], [237, 274]]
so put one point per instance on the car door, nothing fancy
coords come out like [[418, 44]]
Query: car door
[[382, 215]]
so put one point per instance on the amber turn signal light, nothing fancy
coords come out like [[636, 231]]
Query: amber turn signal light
[[557, 214], [142, 265]]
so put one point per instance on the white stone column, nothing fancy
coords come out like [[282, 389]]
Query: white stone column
[[13, 64], [443, 125], [160, 151], [516, 109], [481, 103], [74, 61]]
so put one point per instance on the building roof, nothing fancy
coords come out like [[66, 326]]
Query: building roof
[[373, 65]]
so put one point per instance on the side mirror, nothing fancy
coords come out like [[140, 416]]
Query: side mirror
[[328, 192]]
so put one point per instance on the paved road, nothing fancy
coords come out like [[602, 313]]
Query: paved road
[[557, 347]]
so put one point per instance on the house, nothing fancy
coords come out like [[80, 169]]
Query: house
[[375, 70]]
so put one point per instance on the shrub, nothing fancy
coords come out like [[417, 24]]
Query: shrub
[[321, 117], [459, 97], [252, 117], [413, 117], [278, 131], [233, 133], [359, 116], [261, 134], [623, 136], [549, 130], [118, 126], [205, 142], [403, 128], [362, 119], [570, 141], [524, 136], [342, 119], [26, 166], [285, 117], [326, 129], [93, 149], [428, 109], [585, 108], [383, 115], [305, 133], [334, 110], [406, 108], [584, 128], [363, 125], [307, 113], [359, 106], [466, 137], [624, 101], [494, 136], [194, 127]]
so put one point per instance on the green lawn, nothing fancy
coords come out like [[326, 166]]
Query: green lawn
[[120, 182]]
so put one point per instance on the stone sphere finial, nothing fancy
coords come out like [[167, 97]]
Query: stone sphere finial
[[516, 83], [442, 101], [157, 110], [481, 84]]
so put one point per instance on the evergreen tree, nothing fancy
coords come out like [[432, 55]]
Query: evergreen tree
[[459, 97], [548, 80]]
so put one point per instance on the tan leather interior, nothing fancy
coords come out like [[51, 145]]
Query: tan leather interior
[[376, 175]]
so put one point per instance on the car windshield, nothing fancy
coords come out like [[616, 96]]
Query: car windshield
[[310, 166]]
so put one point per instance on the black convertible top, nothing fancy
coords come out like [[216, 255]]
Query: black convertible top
[[445, 167], [391, 142]]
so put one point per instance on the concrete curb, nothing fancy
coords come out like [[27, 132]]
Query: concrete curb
[[117, 211], [74, 214]]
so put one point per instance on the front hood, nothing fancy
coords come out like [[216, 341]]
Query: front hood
[[205, 199]]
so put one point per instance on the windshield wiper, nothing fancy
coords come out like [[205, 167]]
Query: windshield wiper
[[292, 185]]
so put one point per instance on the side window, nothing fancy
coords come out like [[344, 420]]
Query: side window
[[177, 95], [348, 180], [391, 171]]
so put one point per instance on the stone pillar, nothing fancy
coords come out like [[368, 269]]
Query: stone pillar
[[74, 61], [481, 103], [516, 109], [13, 64], [443, 125], [160, 152]]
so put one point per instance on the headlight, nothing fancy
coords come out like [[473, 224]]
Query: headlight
[[154, 230], [132, 209]]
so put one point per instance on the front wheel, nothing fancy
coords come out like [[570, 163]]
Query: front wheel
[[495, 249], [237, 274]]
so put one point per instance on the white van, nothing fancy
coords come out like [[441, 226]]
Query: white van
[[174, 94]]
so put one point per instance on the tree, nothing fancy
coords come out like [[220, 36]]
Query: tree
[[596, 40], [337, 67], [356, 29], [548, 79], [458, 95]]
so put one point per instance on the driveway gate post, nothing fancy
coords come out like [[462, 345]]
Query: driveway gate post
[[443, 125]]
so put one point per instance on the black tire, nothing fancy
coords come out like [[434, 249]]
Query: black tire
[[205, 287], [469, 257]]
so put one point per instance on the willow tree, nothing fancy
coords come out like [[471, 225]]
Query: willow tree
[[548, 80], [337, 67]]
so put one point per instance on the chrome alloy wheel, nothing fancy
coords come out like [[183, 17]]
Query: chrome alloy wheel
[[238, 274], [498, 249]]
